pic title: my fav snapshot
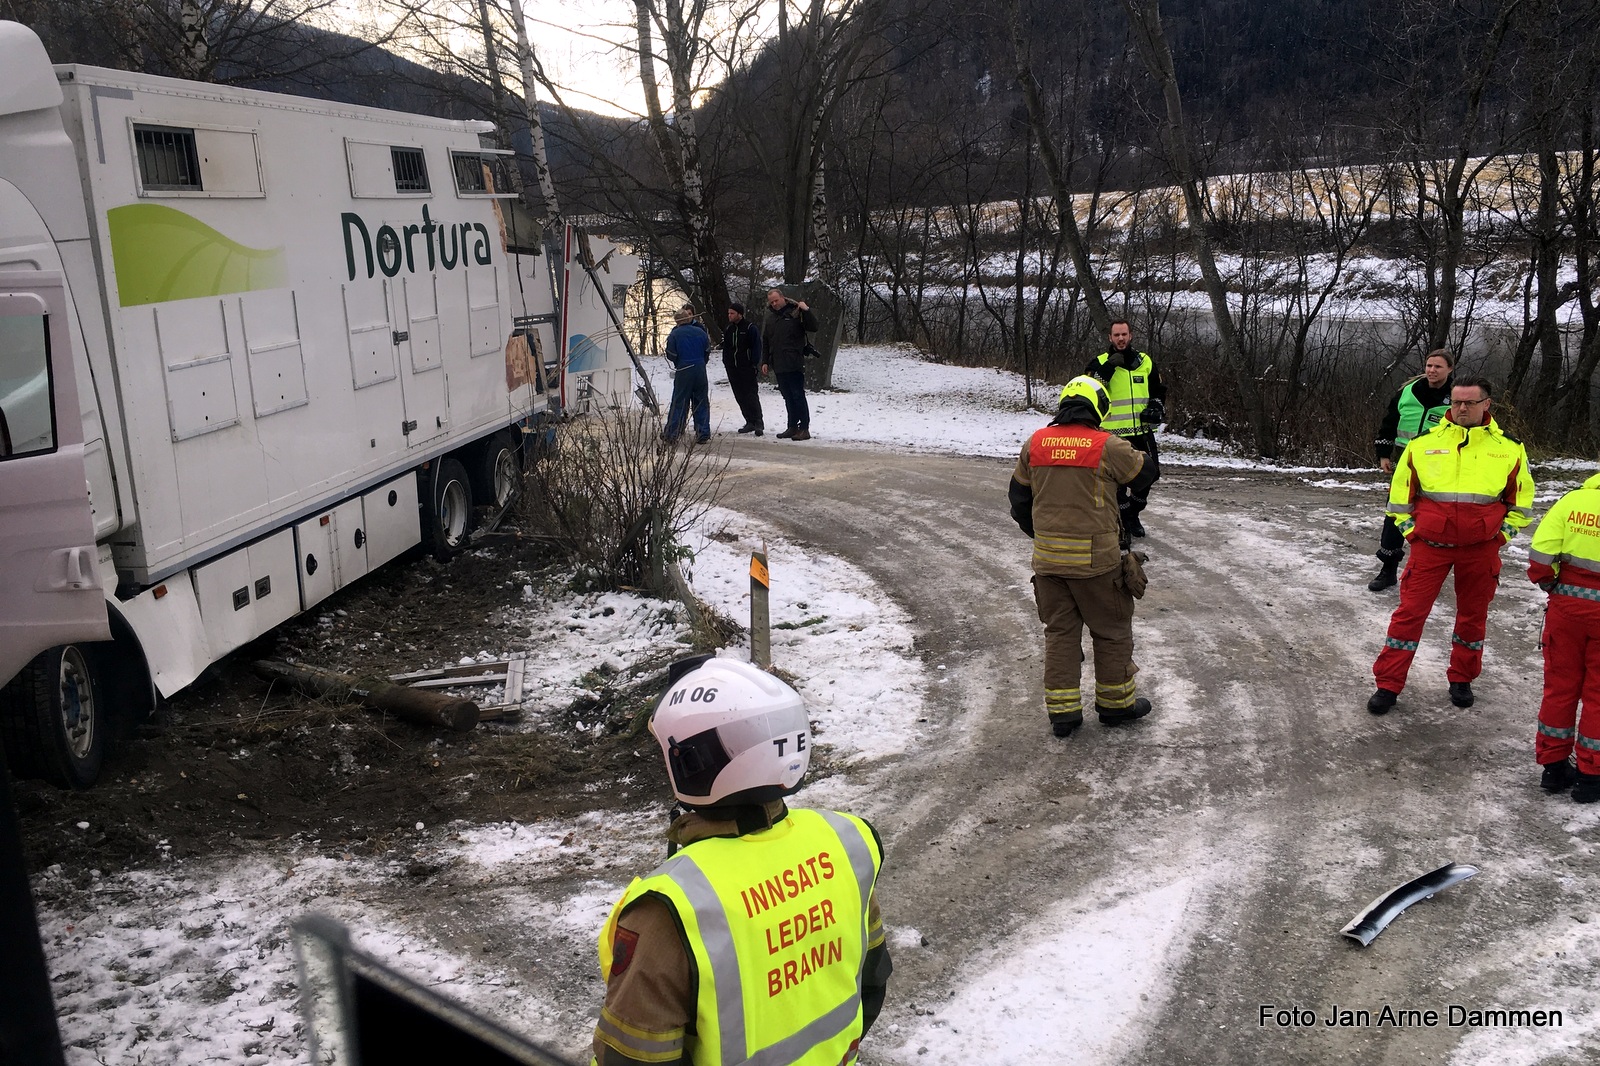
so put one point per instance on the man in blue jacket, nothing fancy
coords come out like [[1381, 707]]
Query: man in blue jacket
[[688, 346]]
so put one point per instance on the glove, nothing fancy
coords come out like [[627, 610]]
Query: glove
[[1547, 584], [1155, 413]]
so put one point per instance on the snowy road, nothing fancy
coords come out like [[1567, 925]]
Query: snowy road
[[1160, 893], [1141, 894]]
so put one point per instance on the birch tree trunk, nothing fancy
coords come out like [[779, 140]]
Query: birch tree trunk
[[530, 100]]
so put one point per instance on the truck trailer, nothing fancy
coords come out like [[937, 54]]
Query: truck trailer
[[252, 346]]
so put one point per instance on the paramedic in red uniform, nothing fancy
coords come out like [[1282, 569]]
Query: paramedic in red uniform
[[1459, 494], [1564, 560]]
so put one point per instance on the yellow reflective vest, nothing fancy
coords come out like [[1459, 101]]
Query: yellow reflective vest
[[1130, 395], [1456, 486], [776, 924], [1565, 553]]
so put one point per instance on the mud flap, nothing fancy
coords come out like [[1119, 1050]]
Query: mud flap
[[1365, 926]]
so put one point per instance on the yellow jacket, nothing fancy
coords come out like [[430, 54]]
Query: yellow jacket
[[1456, 486]]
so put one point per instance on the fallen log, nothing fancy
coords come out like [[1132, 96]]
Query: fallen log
[[415, 705]]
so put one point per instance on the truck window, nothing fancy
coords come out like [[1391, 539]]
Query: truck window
[[167, 158], [27, 413], [410, 170]]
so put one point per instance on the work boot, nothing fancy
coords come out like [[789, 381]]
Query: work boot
[[1461, 694], [748, 428], [1062, 725], [1381, 701], [1557, 776], [801, 434], [1585, 787], [1386, 578], [786, 434], [1118, 715], [1134, 527]]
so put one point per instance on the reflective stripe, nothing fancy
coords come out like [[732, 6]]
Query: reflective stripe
[[1577, 590], [1459, 497], [817, 1031], [1399, 645], [717, 939], [1573, 562], [1063, 700], [1588, 742], [1115, 696], [1541, 557], [1526, 512], [636, 1043], [1400, 508], [1475, 645], [855, 846], [1552, 731]]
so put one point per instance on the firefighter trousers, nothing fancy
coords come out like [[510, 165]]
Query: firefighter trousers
[[1477, 573], [1066, 606], [1571, 645]]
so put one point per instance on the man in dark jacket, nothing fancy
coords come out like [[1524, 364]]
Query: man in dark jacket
[[688, 346], [783, 339], [1138, 406], [741, 357], [1415, 409]]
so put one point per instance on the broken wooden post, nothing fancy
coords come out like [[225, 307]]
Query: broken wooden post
[[760, 619], [414, 705]]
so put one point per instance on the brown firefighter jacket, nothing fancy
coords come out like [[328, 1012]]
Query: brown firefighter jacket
[[1064, 496]]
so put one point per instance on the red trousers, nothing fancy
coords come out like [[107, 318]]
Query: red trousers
[[1571, 645], [1477, 569]]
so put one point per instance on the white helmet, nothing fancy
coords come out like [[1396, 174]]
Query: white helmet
[[731, 733]]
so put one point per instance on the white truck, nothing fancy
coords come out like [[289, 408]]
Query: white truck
[[280, 340]]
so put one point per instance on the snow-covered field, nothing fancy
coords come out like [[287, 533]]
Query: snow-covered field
[[189, 962]]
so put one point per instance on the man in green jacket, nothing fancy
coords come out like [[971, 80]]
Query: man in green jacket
[[1415, 409]]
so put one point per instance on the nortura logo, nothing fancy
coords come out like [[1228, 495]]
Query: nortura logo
[[444, 243]]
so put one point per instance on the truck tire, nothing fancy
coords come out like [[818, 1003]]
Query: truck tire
[[449, 518], [499, 470], [54, 717]]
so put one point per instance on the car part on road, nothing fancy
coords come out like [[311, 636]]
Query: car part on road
[[507, 673], [1365, 926]]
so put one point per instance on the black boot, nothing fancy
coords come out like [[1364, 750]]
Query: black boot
[[1381, 701], [1585, 787], [1118, 715], [1557, 776], [1461, 694], [1386, 578], [1063, 724]]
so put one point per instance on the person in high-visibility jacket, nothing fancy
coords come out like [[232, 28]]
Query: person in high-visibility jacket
[[1138, 406], [1459, 494], [759, 939], [1564, 560], [1420, 405]]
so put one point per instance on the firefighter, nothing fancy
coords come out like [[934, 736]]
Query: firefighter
[[1138, 406], [1460, 492], [1415, 409], [1062, 494], [759, 939], [1564, 560]]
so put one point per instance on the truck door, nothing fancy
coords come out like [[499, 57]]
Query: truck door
[[49, 566], [414, 310]]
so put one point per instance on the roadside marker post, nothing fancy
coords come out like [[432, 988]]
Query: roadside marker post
[[760, 618]]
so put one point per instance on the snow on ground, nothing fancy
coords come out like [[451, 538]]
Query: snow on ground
[[190, 962]]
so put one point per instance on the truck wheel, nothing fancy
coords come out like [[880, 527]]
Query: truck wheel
[[54, 719], [499, 470], [449, 519]]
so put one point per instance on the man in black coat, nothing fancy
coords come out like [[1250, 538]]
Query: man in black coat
[[741, 357], [783, 339]]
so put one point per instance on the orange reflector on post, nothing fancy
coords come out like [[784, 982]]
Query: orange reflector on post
[[758, 571]]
